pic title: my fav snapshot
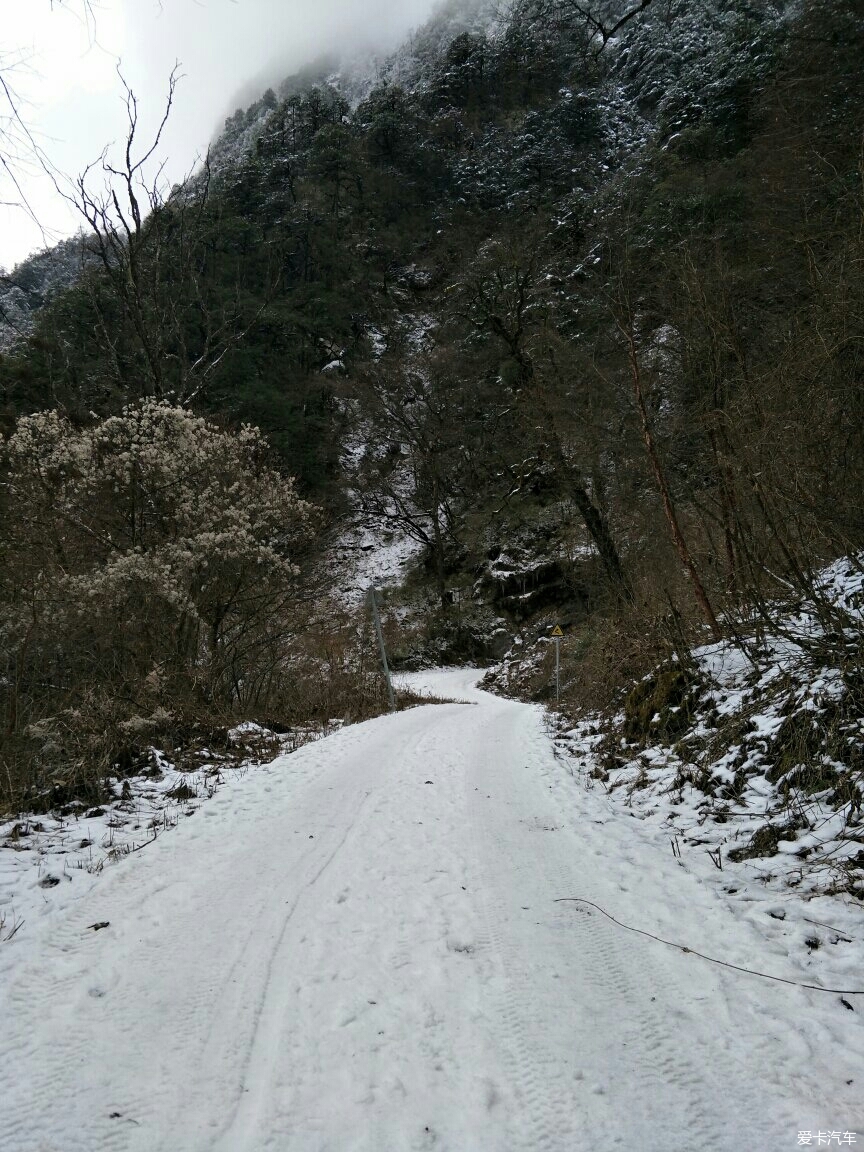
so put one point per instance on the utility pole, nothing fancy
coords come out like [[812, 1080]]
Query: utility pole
[[373, 604]]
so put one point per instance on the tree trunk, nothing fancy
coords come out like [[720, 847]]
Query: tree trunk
[[665, 494], [595, 522], [598, 529], [439, 546]]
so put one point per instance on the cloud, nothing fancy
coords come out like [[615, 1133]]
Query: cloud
[[229, 52]]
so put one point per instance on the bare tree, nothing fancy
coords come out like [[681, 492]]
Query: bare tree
[[147, 241], [627, 329], [504, 298], [414, 481], [596, 26]]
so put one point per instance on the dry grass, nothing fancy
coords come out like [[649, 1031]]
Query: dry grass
[[329, 672]]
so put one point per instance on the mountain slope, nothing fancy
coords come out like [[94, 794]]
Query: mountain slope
[[576, 312]]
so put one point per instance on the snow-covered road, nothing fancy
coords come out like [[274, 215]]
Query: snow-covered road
[[359, 950]]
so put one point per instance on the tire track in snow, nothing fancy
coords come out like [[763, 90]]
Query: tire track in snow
[[539, 1094], [286, 1107], [270, 1016], [663, 1083], [72, 990]]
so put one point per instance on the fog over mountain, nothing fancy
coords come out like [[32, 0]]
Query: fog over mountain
[[63, 71], [231, 50], [292, 33]]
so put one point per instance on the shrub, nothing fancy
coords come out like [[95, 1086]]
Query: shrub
[[146, 563]]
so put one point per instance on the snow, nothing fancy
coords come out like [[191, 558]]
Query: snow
[[46, 860], [378, 340], [382, 943], [369, 550], [366, 555]]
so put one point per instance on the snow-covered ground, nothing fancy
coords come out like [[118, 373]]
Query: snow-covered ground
[[757, 790], [382, 943], [46, 859]]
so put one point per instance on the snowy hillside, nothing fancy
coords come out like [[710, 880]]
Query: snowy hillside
[[29, 286], [744, 759]]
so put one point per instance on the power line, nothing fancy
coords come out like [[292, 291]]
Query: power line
[[711, 959]]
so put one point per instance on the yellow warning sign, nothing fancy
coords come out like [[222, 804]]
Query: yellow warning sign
[[556, 631]]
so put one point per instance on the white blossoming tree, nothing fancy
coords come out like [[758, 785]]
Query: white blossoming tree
[[149, 559]]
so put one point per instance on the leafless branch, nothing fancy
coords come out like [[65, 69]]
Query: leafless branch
[[599, 27]]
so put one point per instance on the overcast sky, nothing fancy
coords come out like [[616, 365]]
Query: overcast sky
[[62, 69]]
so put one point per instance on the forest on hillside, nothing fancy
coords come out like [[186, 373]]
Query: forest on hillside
[[583, 281]]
